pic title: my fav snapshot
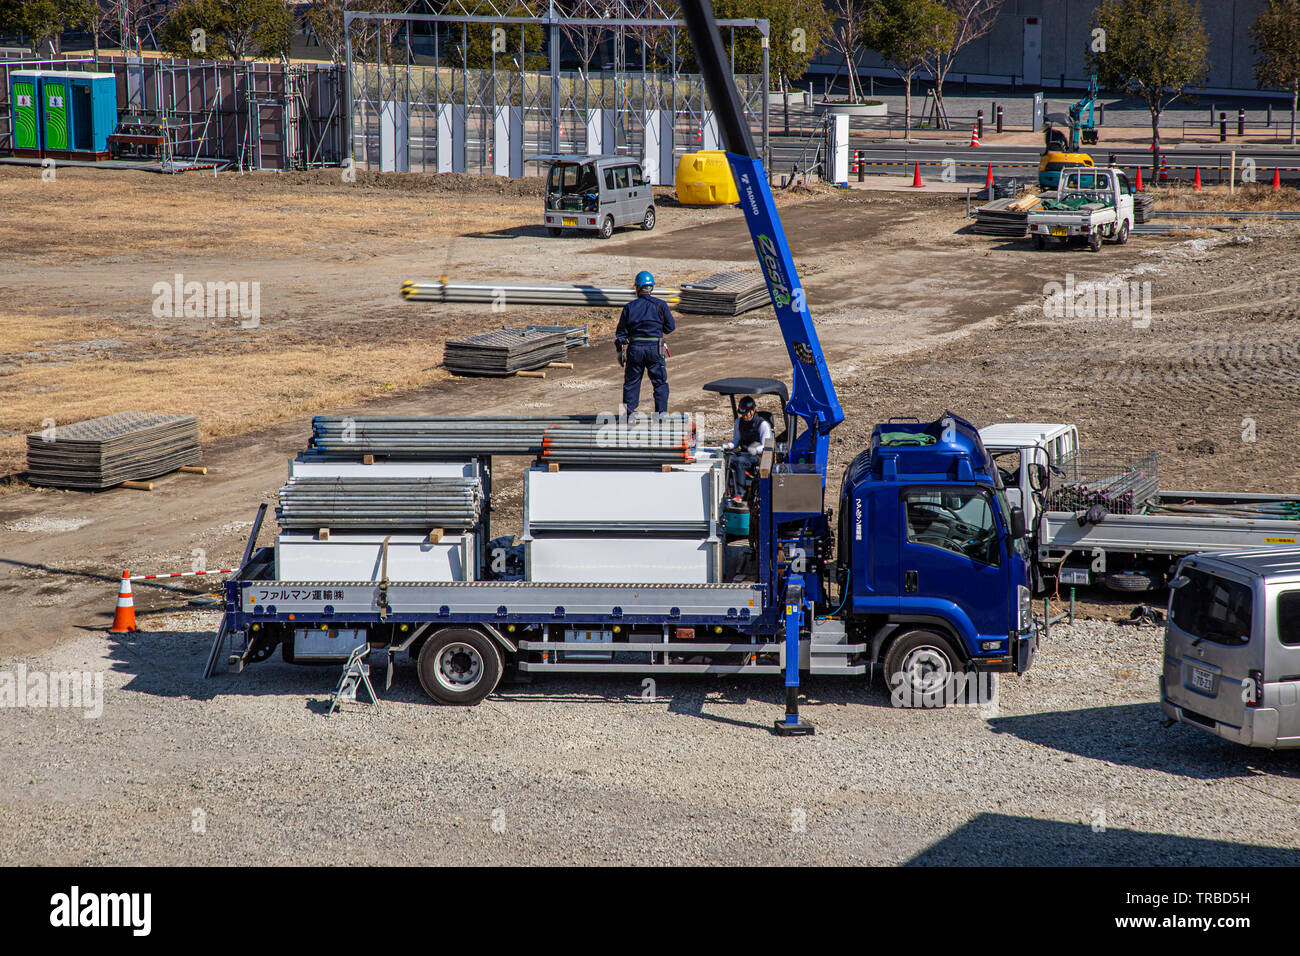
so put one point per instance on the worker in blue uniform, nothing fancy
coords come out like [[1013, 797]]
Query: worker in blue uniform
[[641, 347]]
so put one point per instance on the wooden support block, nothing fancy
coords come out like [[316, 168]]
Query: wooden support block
[[665, 468], [138, 485], [560, 365], [367, 459], [527, 374], [553, 466], [193, 469], [435, 536], [323, 534]]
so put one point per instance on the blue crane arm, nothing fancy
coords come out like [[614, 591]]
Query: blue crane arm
[[812, 396]]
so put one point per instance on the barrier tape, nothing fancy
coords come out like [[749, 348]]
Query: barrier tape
[[180, 574], [999, 165]]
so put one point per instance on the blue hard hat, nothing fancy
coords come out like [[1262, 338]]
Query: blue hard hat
[[643, 279]]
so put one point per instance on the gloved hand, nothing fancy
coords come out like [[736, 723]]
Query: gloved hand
[[728, 446], [622, 359]]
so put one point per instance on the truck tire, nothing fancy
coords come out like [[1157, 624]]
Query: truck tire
[[459, 666], [1040, 242], [1094, 242], [1123, 234], [1129, 582], [554, 231], [921, 669], [606, 227]]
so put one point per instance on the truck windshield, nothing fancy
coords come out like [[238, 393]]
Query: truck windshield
[[1212, 608]]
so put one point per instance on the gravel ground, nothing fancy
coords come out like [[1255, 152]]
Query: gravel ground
[[1069, 765]]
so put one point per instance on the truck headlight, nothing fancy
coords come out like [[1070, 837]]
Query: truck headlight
[[1026, 608]]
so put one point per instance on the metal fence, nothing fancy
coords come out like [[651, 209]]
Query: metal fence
[[248, 114]]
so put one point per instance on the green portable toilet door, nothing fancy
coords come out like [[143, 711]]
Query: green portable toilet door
[[55, 95], [26, 135]]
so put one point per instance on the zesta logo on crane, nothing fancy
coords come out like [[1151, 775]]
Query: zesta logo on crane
[[772, 266]]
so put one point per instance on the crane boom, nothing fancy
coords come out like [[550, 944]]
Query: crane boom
[[812, 396]]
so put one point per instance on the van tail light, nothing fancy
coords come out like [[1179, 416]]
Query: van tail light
[[1257, 688]]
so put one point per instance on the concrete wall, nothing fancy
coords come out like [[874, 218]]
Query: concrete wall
[[1067, 31]]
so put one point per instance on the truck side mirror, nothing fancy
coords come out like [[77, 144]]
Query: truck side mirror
[[1018, 522], [1037, 476]]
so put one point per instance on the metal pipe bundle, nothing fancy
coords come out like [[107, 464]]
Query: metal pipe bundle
[[667, 441], [568, 295], [415, 503], [433, 437]]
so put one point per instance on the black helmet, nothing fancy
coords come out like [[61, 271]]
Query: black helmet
[[747, 404]]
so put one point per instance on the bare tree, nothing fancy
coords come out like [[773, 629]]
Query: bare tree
[[975, 18], [846, 37]]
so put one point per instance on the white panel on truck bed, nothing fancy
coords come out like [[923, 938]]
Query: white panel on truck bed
[[356, 557], [579, 498], [383, 469], [622, 560]]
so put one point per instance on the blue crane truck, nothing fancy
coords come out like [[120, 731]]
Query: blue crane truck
[[931, 581]]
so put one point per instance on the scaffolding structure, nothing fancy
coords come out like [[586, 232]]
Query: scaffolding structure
[[419, 106]]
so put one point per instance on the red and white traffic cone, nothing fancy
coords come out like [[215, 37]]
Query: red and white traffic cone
[[975, 135], [1196, 180], [124, 616], [1277, 180], [988, 178], [916, 176], [1137, 180]]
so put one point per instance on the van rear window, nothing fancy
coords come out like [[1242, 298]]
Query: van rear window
[[1212, 608], [1288, 618]]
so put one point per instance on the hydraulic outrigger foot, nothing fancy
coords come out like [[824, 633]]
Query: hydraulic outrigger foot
[[791, 725]]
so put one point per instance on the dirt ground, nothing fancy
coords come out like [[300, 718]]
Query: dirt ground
[[916, 314]]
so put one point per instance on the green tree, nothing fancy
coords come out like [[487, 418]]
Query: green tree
[[489, 43], [1277, 42], [227, 29], [1153, 49], [44, 20], [907, 34]]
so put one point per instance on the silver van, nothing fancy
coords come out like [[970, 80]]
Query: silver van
[[1232, 646], [596, 194]]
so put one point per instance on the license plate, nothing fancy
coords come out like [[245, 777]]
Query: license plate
[[1058, 230], [1074, 576], [1202, 680], [569, 222]]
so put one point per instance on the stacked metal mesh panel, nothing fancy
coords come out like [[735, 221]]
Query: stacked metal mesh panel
[[103, 452], [1124, 482], [725, 293], [505, 351], [405, 503]]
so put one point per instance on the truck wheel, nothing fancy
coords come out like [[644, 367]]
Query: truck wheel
[[459, 666], [1040, 242], [554, 230], [921, 669], [1130, 581], [648, 222], [1094, 242], [606, 227], [1123, 233]]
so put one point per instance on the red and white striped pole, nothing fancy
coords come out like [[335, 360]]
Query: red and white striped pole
[[179, 574]]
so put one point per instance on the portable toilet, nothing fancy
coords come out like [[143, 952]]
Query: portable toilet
[[704, 179], [25, 112], [56, 133], [93, 115]]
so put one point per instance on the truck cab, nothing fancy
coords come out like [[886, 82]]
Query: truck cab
[[932, 556], [1091, 203], [1025, 453]]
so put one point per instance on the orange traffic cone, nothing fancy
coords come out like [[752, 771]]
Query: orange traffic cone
[[1196, 180], [1277, 180], [124, 617], [916, 176], [988, 177], [975, 135], [1137, 182]]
